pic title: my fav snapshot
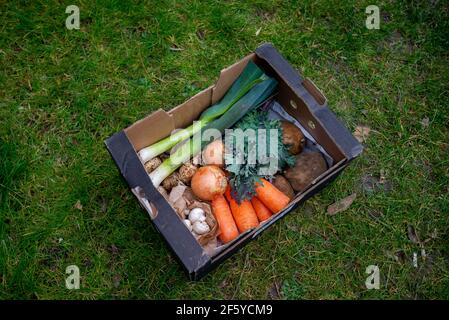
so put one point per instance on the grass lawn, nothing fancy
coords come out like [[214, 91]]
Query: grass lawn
[[63, 92]]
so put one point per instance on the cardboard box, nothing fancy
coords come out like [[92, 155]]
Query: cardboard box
[[298, 96]]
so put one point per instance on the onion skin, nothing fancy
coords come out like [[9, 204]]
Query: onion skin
[[214, 154], [208, 182]]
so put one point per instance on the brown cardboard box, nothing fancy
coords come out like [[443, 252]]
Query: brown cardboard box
[[297, 95]]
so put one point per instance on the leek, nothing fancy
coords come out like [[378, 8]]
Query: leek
[[249, 77], [254, 98]]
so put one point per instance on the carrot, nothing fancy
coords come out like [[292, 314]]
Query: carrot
[[271, 196], [226, 223], [263, 213], [244, 215]]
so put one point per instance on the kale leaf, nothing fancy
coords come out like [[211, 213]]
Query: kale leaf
[[246, 173]]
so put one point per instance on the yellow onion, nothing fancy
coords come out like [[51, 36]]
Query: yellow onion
[[214, 153], [208, 182]]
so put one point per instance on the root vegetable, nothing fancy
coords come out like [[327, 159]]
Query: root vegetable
[[213, 154], [171, 181], [208, 182], [263, 213], [283, 185], [292, 137], [307, 168], [152, 164], [186, 172], [226, 223], [271, 196], [244, 215]]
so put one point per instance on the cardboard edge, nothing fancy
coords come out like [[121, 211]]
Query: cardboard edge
[[203, 263], [179, 239], [227, 77], [335, 130]]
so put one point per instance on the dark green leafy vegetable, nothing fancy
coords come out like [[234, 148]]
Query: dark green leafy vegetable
[[245, 174]]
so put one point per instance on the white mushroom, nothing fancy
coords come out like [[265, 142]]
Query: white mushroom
[[197, 214], [188, 224], [200, 227]]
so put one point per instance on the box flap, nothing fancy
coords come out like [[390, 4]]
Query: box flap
[[190, 110], [313, 99], [150, 129], [228, 76]]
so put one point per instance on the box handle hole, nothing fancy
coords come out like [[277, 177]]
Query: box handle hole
[[314, 91], [146, 204]]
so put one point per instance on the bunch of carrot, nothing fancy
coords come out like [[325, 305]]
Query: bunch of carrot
[[234, 218]]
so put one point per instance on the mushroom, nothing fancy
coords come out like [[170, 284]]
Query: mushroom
[[200, 227], [188, 224], [197, 214]]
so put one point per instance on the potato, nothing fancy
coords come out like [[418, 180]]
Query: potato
[[283, 185], [292, 137], [308, 166]]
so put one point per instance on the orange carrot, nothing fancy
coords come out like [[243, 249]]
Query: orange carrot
[[263, 213], [226, 223], [244, 215], [271, 196]]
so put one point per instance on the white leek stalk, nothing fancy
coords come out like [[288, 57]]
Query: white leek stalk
[[251, 76], [148, 153], [177, 158]]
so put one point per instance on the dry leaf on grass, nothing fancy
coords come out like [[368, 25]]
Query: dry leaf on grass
[[258, 31], [400, 256], [113, 249], [104, 205], [361, 133], [412, 235], [78, 205], [370, 183], [341, 205], [274, 293], [201, 34]]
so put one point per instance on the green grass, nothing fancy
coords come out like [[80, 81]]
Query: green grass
[[63, 92]]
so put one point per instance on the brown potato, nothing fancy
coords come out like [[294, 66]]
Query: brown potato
[[292, 137], [308, 166], [283, 185]]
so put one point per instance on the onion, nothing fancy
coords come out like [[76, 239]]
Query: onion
[[214, 153], [208, 182]]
